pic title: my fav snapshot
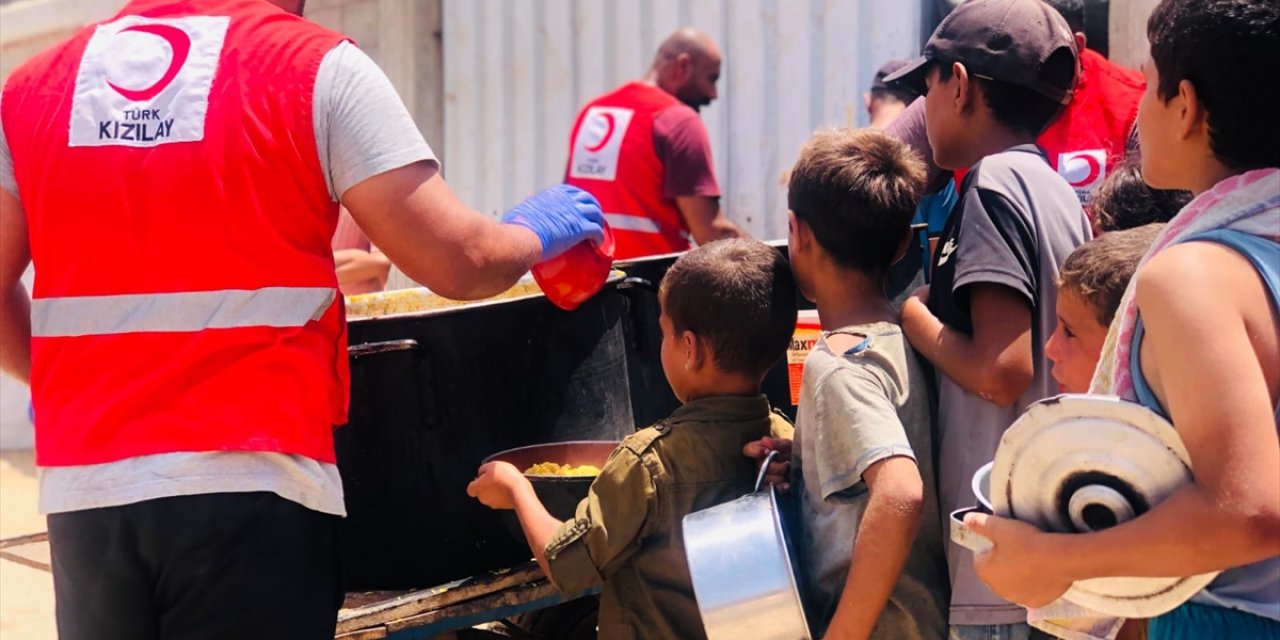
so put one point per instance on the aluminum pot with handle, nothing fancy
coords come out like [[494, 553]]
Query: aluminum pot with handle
[[742, 570]]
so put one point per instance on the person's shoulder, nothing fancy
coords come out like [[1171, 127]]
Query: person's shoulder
[[1181, 270], [676, 118], [868, 363], [995, 169], [644, 440], [1095, 65], [1022, 174]]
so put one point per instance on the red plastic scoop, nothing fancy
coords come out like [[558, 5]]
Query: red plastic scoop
[[572, 277]]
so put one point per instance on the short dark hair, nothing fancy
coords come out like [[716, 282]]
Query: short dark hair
[[1072, 11], [1221, 47], [739, 296], [1018, 108], [1099, 271], [857, 190], [1125, 201], [905, 96]]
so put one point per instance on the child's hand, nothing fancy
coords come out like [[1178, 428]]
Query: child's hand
[[780, 469], [1019, 566], [496, 484], [921, 294]]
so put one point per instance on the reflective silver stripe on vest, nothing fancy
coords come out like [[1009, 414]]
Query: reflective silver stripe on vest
[[178, 312], [626, 222]]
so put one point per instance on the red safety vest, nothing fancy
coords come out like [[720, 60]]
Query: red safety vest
[[185, 296], [1087, 142], [612, 157]]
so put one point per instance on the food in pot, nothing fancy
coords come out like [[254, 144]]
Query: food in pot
[[555, 469], [385, 303]]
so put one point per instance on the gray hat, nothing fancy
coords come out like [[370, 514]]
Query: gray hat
[[1020, 42]]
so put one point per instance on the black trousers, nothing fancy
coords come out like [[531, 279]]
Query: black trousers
[[226, 565]]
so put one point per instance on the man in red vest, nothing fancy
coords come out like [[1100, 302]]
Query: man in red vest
[[174, 173], [644, 153]]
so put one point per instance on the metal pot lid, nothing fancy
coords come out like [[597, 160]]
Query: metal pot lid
[[1076, 463]]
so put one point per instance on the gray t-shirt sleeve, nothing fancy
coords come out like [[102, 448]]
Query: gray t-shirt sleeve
[[858, 426], [362, 127], [997, 246], [7, 181]]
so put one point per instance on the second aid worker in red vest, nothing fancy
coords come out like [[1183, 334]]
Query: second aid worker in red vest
[[644, 153], [174, 173]]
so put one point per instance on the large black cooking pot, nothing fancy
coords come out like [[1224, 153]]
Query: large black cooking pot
[[435, 392]]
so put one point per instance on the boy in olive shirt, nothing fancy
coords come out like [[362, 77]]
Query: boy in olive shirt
[[728, 312]]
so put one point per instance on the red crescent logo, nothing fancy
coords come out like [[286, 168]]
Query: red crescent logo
[[1094, 169], [178, 40], [608, 133]]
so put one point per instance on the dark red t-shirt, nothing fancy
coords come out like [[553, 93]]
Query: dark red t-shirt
[[681, 142]]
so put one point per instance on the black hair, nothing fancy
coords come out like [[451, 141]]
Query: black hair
[[739, 296], [901, 94], [1072, 11], [1124, 201], [1223, 47], [1018, 108], [857, 190]]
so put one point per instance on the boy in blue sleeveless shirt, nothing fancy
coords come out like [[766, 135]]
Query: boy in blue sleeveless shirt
[[1196, 339]]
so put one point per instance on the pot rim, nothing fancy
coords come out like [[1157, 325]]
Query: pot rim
[[543, 477], [615, 276]]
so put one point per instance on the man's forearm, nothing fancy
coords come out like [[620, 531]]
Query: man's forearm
[[538, 524], [884, 540], [707, 223], [15, 333]]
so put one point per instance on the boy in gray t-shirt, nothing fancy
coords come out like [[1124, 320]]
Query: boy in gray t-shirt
[[991, 303], [871, 544]]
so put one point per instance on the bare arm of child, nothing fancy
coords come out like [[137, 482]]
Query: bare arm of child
[[884, 539], [499, 485], [996, 362], [1211, 357]]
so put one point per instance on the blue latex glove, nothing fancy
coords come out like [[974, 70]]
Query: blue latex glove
[[561, 217]]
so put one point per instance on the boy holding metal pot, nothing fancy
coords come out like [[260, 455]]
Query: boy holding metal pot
[[728, 311]]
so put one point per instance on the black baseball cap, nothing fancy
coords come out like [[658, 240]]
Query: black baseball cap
[[1025, 43]]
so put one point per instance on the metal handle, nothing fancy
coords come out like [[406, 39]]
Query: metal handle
[[426, 391], [966, 537], [372, 348], [764, 469], [633, 282]]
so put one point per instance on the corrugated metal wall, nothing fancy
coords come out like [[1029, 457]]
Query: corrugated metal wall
[[517, 71]]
